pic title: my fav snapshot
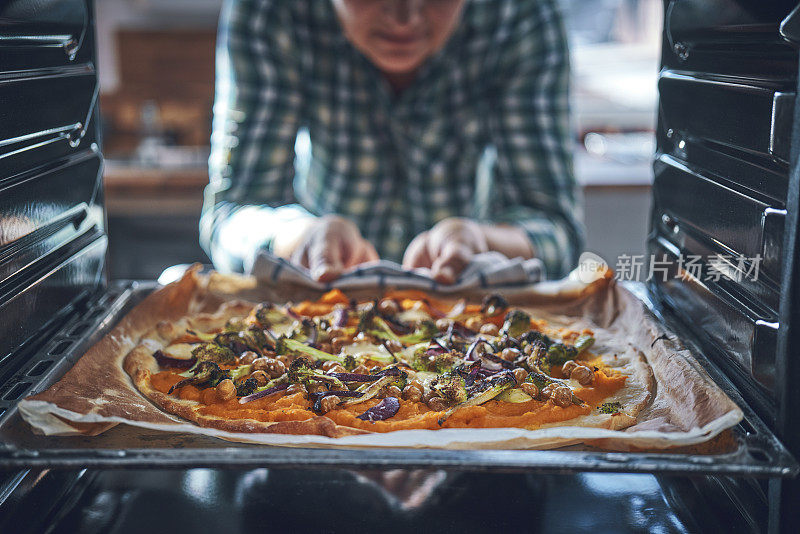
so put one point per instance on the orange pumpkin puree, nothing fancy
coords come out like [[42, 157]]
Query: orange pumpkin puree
[[412, 415]]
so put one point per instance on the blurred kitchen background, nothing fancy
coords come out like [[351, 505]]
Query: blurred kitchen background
[[156, 67]]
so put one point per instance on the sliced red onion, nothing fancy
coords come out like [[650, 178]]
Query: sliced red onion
[[385, 409], [472, 354], [340, 317], [313, 334], [167, 361], [293, 314], [265, 393]]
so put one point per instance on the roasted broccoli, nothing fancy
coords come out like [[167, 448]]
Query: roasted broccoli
[[423, 331], [516, 323], [558, 353], [203, 374], [302, 371], [214, 353], [437, 361], [246, 387], [484, 392], [451, 387], [610, 408], [267, 314]]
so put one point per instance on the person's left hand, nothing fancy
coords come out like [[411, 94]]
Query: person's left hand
[[446, 248]]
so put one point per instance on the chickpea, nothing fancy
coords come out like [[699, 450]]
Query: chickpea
[[338, 342], [285, 360], [568, 367], [316, 388], [520, 375], [326, 347], [443, 324], [336, 332], [327, 366], [560, 395], [260, 364], [270, 354], [418, 385], [490, 329], [474, 323], [337, 369], [412, 394], [260, 377], [296, 388], [530, 389], [361, 369], [389, 307], [393, 345], [329, 403], [226, 390], [393, 391], [437, 404], [275, 368], [427, 396], [248, 357], [583, 375], [510, 354]]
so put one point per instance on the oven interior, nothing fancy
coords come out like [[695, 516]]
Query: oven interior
[[726, 190]]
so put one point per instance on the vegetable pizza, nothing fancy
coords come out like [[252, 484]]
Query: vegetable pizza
[[337, 367]]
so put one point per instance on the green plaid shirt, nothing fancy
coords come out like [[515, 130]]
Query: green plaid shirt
[[483, 132]]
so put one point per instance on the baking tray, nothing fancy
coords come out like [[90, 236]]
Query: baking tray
[[757, 452]]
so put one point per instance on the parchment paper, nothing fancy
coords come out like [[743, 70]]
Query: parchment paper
[[687, 408]]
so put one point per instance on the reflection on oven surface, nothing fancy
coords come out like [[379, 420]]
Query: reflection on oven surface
[[261, 500]]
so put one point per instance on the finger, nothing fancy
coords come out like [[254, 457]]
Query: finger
[[366, 253], [449, 265], [325, 259], [416, 254], [300, 255]]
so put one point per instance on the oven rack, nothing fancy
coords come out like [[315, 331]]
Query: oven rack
[[758, 452]]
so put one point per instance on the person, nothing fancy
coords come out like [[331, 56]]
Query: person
[[438, 129]]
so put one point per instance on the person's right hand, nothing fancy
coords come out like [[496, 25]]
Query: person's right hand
[[330, 245]]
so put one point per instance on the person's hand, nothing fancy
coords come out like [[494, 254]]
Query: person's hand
[[449, 246], [330, 245], [446, 248]]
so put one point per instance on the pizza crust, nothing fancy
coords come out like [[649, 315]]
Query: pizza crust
[[99, 388]]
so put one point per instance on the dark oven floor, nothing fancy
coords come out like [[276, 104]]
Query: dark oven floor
[[261, 500]]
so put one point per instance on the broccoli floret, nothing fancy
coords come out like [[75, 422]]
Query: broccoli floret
[[203, 374], [494, 305], [486, 392], [451, 387], [423, 331], [301, 371], [516, 323], [435, 361], [610, 408], [558, 353], [267, 314], [214, 353], [246, 387]]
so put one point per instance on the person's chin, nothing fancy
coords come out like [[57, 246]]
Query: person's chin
[[399, 63]]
